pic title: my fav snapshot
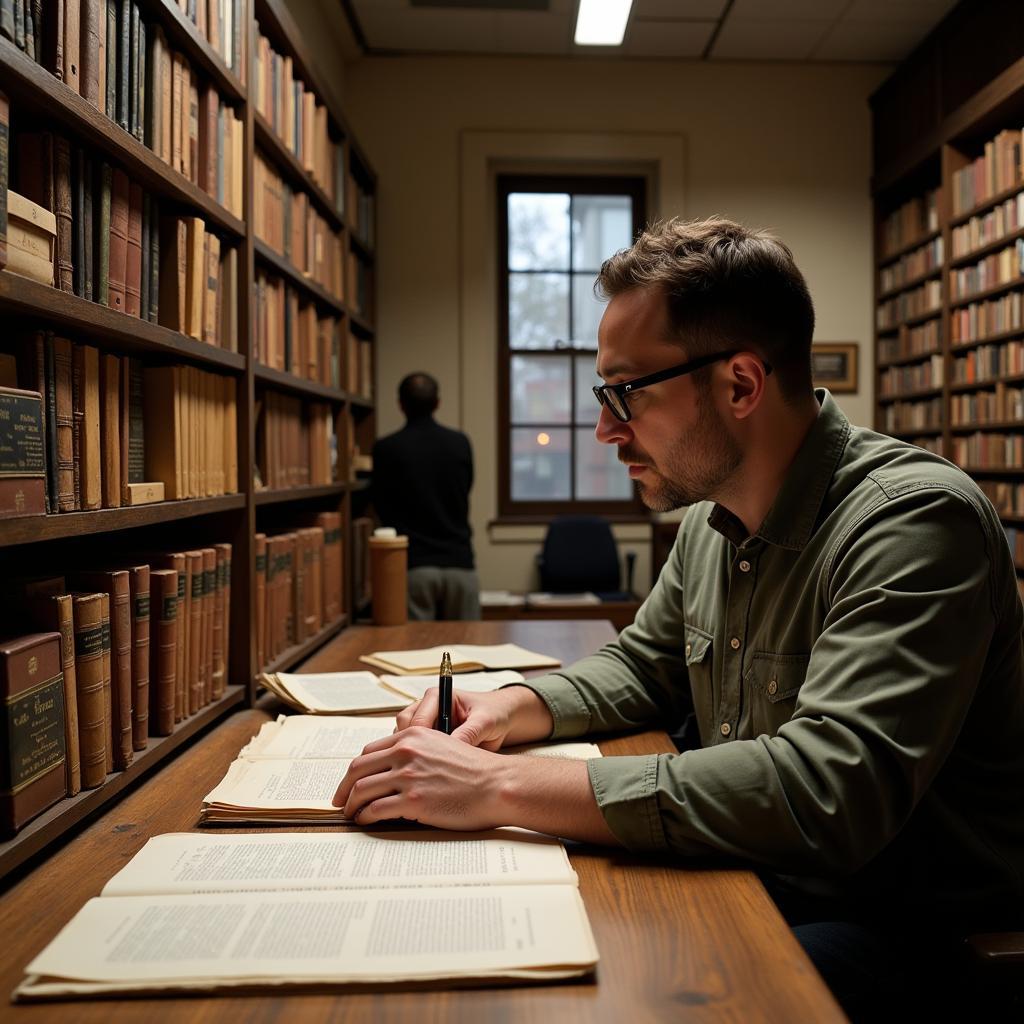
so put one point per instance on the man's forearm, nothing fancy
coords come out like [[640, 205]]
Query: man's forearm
[[530, 720]]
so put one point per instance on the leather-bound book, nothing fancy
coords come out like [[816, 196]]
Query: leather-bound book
[[165, 84], [330, 523], [92, 725], [210, 299], [195, 277], [89, 69], [196, 674], [124, 17], [5, 159], [133, 67], [110, 427], [108, 708], [123, 405], [19, 24], [147, 252], [7, 19], [209, 108], [298, 594], [22, 459], [72, 43], [314, 580], [193, 128], [32, 729], [151, 111], [162, 426], [53, 39], [154, 261], [163, 584], [119, 193], [177, 117], [176, 561], [261, 600], [111, 61], [62, 199], [65, 425], [115, 584], [49, 609], [173, 273], [50, 423], [228, 328], [136, 446], [78, 169], [87, 360], [77, 422], [101, 197], [140, 125], [224, 574], [88, 227], [217, 633], [209, 614], [101, 58], [139, 587], [133, 267]]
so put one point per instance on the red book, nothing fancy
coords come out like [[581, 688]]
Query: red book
[[133, 267], [119, 200]]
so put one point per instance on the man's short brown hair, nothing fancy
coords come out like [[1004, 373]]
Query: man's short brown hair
[[727, 287]]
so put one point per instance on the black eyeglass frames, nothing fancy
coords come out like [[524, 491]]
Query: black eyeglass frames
[[614, 395]]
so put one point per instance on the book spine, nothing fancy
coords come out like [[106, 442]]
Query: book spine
[[65, 241], [261, 597], [5, 157], [184, 625], [139, 584], [121, 666], [88, 639], [77, 418], [110, 425], [65, 425], [133, 67], [133, 261], [110, 104], [209, 613], [50, 424], [108, 710], [124, 17], [196, 678], [88, 228], [118, 265], [90, 33], [136, 423], [154, 261], [78, 220], [147, 210], [104, 181], [163, 661], [91, 458], [217, 659], [72, 45]]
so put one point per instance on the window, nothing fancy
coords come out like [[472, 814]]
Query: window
[[554, 235]]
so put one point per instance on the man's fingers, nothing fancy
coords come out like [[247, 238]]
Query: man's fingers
[[366, 790], [425, 713], [384, 808], [370, 762]]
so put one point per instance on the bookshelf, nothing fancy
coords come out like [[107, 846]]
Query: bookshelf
[[325, 378], [949, 218]]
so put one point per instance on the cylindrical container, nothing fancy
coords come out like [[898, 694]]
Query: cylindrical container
[[389, 556]]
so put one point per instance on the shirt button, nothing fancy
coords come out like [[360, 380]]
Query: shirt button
[[734, 643], [744, 566], [726, 728], [689, 647], [773, 686]]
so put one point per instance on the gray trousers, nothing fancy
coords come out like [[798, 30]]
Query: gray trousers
[[436, 593]]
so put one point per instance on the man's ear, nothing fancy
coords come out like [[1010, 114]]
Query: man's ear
[[747, 384]]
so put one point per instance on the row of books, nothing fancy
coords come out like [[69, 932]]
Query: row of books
[[295, 442], [997, 268], [919, 340], [985, 450], [360, 297], [1002, 405], [299, 586], [980, 320], [998, 168], [298, 118], [915, 377], [362, 211], [983, 229], [224, 25], [362, 531], [929, 444], [127, 653], [914, 219], [292, 336], [916, 302], [1007, 497], [986, 362], [913, 264], [1015, 539], [902, 417], [359, 359], [289, 224]]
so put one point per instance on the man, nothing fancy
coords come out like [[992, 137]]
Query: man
[[422, 475], [840, 612]]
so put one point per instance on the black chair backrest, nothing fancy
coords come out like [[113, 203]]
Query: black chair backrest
[[579, 554]]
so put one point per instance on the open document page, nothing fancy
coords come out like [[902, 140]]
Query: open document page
[[475, 682], [306, 736], [218, 940], [334, 693], [465, 658]]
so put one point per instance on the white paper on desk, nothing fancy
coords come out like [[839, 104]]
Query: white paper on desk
[[341, 936], [191, 862], [474, 682], [316, 736], [340, 691], [563, 751], [306, 784]]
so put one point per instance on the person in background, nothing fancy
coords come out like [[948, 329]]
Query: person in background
[[422, 476]]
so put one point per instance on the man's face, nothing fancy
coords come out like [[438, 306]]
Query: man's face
[[676, 445]]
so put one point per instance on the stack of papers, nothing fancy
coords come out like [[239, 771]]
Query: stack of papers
[[465, 658], [540, 599], [414, 687], [333, 693]]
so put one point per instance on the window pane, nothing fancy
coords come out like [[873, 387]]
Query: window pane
[[539, 388], [587, 310], [599, 474], [601, 225], [587, 409], [540, 464], [538, 310], [538, 231]]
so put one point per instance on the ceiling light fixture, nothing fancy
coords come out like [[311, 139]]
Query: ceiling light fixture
[[602, 22]]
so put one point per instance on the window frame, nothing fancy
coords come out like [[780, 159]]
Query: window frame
[[630, 509]]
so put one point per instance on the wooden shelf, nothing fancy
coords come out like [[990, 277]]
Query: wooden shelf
[[286, 161], [296, 277], [297, 385], [909, 396], [911, 282], [32, 529], [359, 321], [994, 471], [279, 496], [910, 321], [884, 261], [32, 87], [73, 811], [1012, 519], [360, 402], [103, 325], [987, 293], [919, 432], [984, 250], [974, 428], [992, 339], [919, 357], [293, 655], [990, 382], [360, 247], [985, 205]]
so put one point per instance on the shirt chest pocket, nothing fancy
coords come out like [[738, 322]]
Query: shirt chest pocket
[[699, 653], [771, 686]]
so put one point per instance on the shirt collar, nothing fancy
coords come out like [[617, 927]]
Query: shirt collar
[[792, 517]]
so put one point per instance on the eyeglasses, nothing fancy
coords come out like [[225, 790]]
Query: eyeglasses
[[614, 395]]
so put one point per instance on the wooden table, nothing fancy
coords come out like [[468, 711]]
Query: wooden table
[[676, 944], [619, 613]]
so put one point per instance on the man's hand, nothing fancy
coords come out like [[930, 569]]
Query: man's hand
[[492, 720]]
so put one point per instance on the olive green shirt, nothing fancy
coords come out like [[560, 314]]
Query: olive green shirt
[[855, 669]]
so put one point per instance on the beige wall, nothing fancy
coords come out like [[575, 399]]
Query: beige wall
[[772, 145]]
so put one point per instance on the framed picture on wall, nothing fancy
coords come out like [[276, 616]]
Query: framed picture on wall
[[834, 366]]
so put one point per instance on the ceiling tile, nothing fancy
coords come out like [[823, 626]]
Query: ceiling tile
[[667, 38], [526, 33], [867, 40], [678, 10], [785, 10], [750, 39], [420, 29], [930, 11]]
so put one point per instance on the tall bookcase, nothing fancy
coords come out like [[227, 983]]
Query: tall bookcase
[[45, 544], [949, 253]]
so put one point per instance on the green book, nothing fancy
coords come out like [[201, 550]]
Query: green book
[[102, 275]]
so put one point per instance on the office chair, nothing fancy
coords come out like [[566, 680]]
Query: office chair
[[580, 554]]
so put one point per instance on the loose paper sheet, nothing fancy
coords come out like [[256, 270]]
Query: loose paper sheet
[[338, 692], [316, 736], [474, 682]]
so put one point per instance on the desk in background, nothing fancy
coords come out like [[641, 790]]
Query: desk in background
[[619, 613], [676, 945]]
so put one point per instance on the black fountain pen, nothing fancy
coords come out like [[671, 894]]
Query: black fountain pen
[[444, 708]]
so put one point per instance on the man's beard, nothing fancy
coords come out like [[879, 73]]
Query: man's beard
[[693, 469]]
